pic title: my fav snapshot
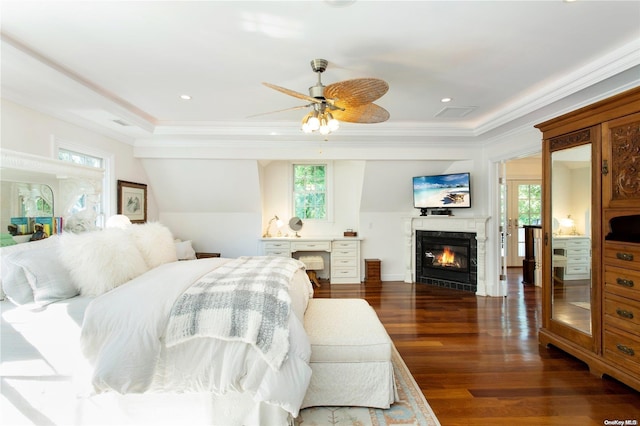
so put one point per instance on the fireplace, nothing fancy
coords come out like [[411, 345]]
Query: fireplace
[[447, 259]]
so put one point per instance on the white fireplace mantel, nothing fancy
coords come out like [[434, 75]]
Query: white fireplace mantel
[[477, 225]]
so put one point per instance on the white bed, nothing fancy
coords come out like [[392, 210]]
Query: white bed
[[102, 359]]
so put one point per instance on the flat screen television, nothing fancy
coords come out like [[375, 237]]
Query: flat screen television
[[440, 193]]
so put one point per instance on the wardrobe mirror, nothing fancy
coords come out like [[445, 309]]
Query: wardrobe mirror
[[571, 238]]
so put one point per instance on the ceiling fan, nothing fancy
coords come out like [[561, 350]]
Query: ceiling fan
[[349, 100]]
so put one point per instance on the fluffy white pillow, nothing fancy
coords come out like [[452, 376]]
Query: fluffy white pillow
[[184, 250], [99, 261], [155, 243]]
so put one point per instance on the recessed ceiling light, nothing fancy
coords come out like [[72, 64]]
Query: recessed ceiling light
[[445, 100], [185, 97]]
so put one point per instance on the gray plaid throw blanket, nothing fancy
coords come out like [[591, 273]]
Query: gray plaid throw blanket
[[246, 299]]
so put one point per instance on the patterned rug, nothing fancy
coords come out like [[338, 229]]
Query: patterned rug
[[412, 409]]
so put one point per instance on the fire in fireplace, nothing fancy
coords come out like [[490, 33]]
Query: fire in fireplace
[[447, 259]]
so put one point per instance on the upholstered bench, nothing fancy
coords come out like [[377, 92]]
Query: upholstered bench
[[350, 355]]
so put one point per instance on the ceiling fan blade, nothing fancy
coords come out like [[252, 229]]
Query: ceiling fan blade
[[280, 110], [368, 113], [293, 93], [358, 91]]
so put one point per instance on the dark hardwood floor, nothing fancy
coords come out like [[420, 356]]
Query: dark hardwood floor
[[478, 361]]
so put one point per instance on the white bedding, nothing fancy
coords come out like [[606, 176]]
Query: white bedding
[[123, 332], [40, 353]]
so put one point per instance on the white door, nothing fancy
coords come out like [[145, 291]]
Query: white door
[[524, 207]]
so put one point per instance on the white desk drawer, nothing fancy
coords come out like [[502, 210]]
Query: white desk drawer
[[350, 262], [577, 269], [345, 245], [578, 244], [277, 252], [345, 253], [277, 245], [311, 246], [338, 273]]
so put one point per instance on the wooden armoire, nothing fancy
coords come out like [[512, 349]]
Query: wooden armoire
[[591, 236]]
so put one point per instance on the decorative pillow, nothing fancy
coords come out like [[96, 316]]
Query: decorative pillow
[[37, 277], [184, 250], [5, 251], [99, 261], [155, 243]]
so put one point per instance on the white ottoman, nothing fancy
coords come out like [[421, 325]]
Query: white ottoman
[[313, 264], [350, 355]]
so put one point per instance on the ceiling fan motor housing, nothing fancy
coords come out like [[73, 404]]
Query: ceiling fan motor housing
[[319, 65], [317, 91]]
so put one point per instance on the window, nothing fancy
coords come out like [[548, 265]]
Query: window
[[78, 158], [310, 191], [98, 203]]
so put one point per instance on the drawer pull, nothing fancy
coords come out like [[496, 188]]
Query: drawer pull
[[625, 349], [625, 256], [624, 313], [624, 282]]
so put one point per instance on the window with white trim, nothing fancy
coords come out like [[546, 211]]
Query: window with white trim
[[89, 158], [310, 191]]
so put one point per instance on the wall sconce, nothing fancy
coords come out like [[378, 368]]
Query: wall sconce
[[279, 224]]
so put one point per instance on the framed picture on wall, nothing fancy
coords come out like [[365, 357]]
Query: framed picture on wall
[[132, 201]]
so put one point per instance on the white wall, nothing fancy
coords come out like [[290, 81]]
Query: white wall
[[29, 131], [214, 203]]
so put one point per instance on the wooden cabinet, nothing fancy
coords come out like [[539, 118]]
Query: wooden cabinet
[[372, 271], [622, 305], [591, 278], [621, 162], [204, 255]]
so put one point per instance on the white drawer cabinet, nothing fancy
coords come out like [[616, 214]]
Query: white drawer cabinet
[[577, 252], [276, 248], [344, 255], [345, 262], [311, 246]]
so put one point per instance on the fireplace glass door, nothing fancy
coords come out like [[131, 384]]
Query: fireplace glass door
[[449, 255]]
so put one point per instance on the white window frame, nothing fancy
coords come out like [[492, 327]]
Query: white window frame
[[108, 188], [328, 195]]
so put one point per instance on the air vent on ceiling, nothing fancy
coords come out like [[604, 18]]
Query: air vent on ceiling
[[455, 112], [121, 122]]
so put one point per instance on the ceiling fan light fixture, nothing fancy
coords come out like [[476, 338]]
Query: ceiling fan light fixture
[[333, 123], [314, 121], [305, 123]]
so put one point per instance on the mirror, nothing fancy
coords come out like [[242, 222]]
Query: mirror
[[23, 205], [571, 239], [77, 190], [295, 223]]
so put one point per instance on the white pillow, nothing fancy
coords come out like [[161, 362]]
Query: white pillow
[[184, 250], [155, 243], [4, 251], [37, 277], [99, 261]]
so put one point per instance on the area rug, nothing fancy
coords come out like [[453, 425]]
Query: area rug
[[411, 409]]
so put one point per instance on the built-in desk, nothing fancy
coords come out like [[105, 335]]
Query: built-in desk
[[343, 254]]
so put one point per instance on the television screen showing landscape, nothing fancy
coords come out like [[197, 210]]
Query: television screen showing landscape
[[442, 191]]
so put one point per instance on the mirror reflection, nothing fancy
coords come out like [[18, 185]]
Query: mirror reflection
[[27, 210], [571, 242]]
